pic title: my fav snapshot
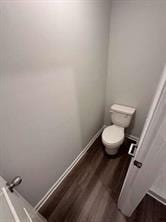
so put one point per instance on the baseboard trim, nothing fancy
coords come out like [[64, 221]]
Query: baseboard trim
[[136, 139], [157, 197], [67, 171]]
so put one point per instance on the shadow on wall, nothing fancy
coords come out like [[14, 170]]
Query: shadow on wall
[[45, 117], [41, 127], [132, 124], [52, 86]]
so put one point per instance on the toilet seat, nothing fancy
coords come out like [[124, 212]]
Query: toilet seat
[[113, 135]]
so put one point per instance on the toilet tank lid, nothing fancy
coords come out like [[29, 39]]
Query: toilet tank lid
[[123, 109]]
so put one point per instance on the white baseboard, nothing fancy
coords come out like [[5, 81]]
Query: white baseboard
[[67, 171], [157, 197], [136, 139]]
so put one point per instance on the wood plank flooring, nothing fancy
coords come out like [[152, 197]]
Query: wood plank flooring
[[90, 191], [149, 210]]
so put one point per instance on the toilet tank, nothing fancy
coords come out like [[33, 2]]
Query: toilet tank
[[121, 115]]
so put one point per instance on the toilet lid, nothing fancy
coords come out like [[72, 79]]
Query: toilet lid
[[113, 134]]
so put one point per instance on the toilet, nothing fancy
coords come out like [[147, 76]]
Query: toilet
[[113, 136]]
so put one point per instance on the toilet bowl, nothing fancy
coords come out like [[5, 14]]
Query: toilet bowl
[[112, 138]]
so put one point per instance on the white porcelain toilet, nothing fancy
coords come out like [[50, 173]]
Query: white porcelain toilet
[[113, 136]]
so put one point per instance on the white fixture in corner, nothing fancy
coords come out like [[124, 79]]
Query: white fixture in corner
[[113, 136]]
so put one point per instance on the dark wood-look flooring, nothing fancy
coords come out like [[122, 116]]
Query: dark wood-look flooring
[[149, 210], [90, 191]]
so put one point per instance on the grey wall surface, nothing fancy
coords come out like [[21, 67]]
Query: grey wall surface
[[136, 57], [53, 59]]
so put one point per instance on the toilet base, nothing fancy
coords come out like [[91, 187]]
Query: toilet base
[[112, 151]]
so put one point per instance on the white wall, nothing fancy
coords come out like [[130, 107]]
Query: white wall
[[53, 58], [136, 56]]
